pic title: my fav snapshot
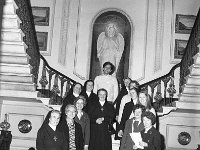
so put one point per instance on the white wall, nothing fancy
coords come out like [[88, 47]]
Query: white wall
[[152, 32]]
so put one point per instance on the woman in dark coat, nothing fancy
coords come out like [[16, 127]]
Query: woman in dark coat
[[151, 138], [83, 119], [48, 136], [135, 125], [69, 99], [88, 93], [101, 115], [72, 129]]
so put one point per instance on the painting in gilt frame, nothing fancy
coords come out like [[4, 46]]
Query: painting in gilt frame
[[41, 15], [184, 23], [42, 41], [179, 49]]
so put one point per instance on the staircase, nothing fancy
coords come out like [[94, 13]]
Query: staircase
[[181, 127], [190, 97], [24, 105], [18, 95]]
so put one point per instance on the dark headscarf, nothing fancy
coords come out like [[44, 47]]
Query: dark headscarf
[[46, 120]]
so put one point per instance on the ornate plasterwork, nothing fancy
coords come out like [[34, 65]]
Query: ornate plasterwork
[[64, 32], [159, 35]]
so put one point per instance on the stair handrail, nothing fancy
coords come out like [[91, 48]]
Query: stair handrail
[[169, 74], [24, 13], [54, 70], [190, 51]]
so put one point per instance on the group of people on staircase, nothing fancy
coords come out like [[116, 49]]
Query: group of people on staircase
[[85, 119]]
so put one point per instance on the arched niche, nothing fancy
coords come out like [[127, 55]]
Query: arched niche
[[124, 27]]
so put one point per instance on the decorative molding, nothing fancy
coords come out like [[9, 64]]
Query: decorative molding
[[76, 47], [64, 33], [172, 42], [50, 37], [159, 35], [145, 43]]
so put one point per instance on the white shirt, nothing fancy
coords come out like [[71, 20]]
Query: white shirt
[[125, 99], [76, 95], [88, 93], [109, 83]]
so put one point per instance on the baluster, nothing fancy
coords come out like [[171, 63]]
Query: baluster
[[68, 86], [158, 96], [43, 80], [62, 80], [55, 90], [165, 81], [171, 90], [51, 73]]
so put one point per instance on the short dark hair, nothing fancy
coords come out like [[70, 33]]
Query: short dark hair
[[76, 83], [139, 106], [150, 116], [85, 84], [109, 63], [136, 84], [80, 97]]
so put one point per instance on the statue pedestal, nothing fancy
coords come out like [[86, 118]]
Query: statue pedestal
[[5, 140]]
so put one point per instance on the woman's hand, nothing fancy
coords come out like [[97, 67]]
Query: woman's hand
[[134, 147], [100, 120], [144, 144], [120, 133]]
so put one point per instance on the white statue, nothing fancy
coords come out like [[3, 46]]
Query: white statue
[[110, 46]]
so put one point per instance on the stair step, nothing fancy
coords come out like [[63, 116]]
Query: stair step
[[193, 98], [17, 86], [22, 78], [13, 59], [187, 105], [15, 68], [18, 93], [197, 59], [10, 7], [13, 48], [166, 110], [12, 35], [195, 70], [45, 101], [191, 89], [11, 22], [193, 80]]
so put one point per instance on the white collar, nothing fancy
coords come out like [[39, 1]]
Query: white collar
[[76, 95], [52, 127], [88, 93], [102, 103]]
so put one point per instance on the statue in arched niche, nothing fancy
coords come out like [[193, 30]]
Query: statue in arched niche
[[110, 46]]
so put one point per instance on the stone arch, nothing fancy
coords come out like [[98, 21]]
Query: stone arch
[[125, 27]]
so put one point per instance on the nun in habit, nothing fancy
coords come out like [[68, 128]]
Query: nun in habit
[[48, 136]]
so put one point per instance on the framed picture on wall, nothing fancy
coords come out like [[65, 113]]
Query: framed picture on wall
[[41, 16], [184, 23], [179, 49], [42, 38]]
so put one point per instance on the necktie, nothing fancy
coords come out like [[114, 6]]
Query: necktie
[[136, 124]]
